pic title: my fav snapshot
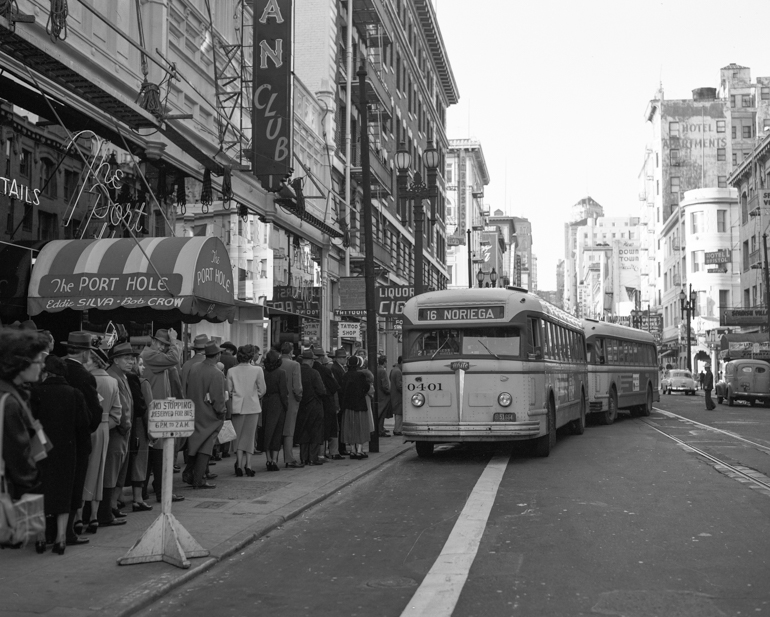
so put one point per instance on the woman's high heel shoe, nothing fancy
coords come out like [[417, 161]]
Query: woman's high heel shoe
[[40, 547], [238, 471], [59, 547], [249, 472]]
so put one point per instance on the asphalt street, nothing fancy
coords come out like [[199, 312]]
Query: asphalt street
[[628, 519]]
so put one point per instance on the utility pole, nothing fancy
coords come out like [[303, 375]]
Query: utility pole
[[767, 284], [371, 300], [470, 261]]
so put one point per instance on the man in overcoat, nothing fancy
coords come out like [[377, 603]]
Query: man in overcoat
[[294, 375], [383, 395], [122, 357], [199, 344], [708, 386], [206, 389], [396, 394], [78, 354], [330, 403], [339, 368], [309, 431]]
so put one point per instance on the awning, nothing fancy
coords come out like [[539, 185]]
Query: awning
[[184, 278], [249, 311], [276, 312]]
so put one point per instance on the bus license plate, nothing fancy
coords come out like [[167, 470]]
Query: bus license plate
[[504, 417]]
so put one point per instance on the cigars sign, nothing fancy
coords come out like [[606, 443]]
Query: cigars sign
[[272, 101]]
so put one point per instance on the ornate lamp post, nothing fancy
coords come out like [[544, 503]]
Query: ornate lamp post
[[417, 191], [687, 305], [481, 275]]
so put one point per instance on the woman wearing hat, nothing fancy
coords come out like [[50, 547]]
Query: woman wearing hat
[[274, 407], [357, 421], [107, 387], [246, 385], [62, 411]]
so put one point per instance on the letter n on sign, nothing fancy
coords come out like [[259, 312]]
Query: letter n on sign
[[272, 99]]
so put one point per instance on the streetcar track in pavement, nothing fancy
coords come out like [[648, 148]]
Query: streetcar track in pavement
[[752, 478]]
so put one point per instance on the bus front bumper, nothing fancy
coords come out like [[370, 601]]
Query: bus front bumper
[[467, 431]]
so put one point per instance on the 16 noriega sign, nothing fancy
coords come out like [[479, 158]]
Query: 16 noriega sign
[[272, 102]]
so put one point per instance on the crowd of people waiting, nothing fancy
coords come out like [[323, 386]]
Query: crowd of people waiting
[[93, 405]]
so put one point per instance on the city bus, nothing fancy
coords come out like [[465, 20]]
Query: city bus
[[622, 370], [491, 364]]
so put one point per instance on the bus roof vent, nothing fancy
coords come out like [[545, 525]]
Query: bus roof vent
[[514, 288]]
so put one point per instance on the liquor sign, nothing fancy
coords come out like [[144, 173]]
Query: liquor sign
[[722, 256], [171, 418], [392, 298], [272, 116]]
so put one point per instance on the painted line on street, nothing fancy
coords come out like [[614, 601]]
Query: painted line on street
[[439, 592], [670, 414]]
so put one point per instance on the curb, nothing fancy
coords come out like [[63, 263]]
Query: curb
[[142, 597]]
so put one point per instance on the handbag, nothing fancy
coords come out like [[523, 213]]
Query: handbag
[[22, 520], [227, 432]]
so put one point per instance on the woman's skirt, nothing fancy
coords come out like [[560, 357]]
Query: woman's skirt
[[245, 425], [356, 426], [273, 419], [92, 489], [138, 453]]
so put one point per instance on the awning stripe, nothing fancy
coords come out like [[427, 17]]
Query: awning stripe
[[91, 257], [115, 254], [137, 262], [188, 254]]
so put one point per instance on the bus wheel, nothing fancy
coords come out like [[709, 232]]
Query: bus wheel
[[424, 449], [609, 416], [646, 409], [578, 426], [546, 443]]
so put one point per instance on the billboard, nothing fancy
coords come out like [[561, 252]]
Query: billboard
[[272, 116]]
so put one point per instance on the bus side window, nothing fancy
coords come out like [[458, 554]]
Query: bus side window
[[534, 343]]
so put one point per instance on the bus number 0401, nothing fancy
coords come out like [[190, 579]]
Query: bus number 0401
[[424, 386]]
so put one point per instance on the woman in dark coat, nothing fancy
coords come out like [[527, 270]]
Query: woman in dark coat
[[138, 442], [62, 411], [274, 406], [357, 421]]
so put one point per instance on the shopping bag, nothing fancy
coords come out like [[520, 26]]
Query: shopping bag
[[226, 433]]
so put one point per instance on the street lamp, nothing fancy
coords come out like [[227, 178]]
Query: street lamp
[[417, 191], [481, 275], [687, 305]]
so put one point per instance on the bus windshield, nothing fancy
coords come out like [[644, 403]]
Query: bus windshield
[[486, 341]]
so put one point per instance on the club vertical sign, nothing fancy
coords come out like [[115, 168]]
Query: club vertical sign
[[272, 116]]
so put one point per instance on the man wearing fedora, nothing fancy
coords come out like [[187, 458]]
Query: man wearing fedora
[[294, 375], [122, 358], [206, 388], [708, 386], [309, 430], [79, 348], [339, 368], [199, 344], [159, 358]]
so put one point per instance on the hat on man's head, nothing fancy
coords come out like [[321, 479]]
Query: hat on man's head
[[123, 349], [308, 354], [318, 351], [162, 336], [341, 353], [230, 347], [199, 342], [29, 325], [78, 340], [212, 349]]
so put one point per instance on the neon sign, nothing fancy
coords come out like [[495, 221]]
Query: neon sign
[[14, 190]]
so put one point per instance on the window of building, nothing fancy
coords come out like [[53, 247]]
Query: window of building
[[745, 154], [29, 213], [747, 100], [70, 183], [721, 126], [734, 132], [698, 261], [25, 163], [674, 154], [721, 154], [721, 221], [47, 226], [735, 158], [48, 181], [724, 298], [675, 187], [9, 221], [746, 131], [732, 100], [745, 255], [673, 129], [722, 182], [764, 93], [753, 295], [7, 151], [696, 222], [746, 299]]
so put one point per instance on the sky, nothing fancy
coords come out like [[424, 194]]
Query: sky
[[556, 93]]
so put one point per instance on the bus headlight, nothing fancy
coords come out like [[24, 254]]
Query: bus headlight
[[505, 399], [418, 400]]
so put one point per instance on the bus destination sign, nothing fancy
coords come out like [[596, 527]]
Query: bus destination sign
[[461, 313]]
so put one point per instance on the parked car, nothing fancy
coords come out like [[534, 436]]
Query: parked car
[[678, 380], [745, 380]]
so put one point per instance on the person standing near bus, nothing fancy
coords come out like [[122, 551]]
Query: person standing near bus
[[708, 386]]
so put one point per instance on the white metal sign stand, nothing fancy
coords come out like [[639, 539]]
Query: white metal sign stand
[[166, 539]]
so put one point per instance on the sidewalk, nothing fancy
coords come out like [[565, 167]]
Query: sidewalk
[[86, 580]]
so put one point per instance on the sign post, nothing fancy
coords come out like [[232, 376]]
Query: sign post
[[166, 539]]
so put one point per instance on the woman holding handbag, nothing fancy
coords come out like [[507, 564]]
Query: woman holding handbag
[[21, 360], [63, 413], [246, 384]]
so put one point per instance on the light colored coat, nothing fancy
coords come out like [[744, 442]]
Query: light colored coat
[[156, 369], [246, 385]]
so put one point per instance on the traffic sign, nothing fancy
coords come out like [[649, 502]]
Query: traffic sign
[[171, 417]]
